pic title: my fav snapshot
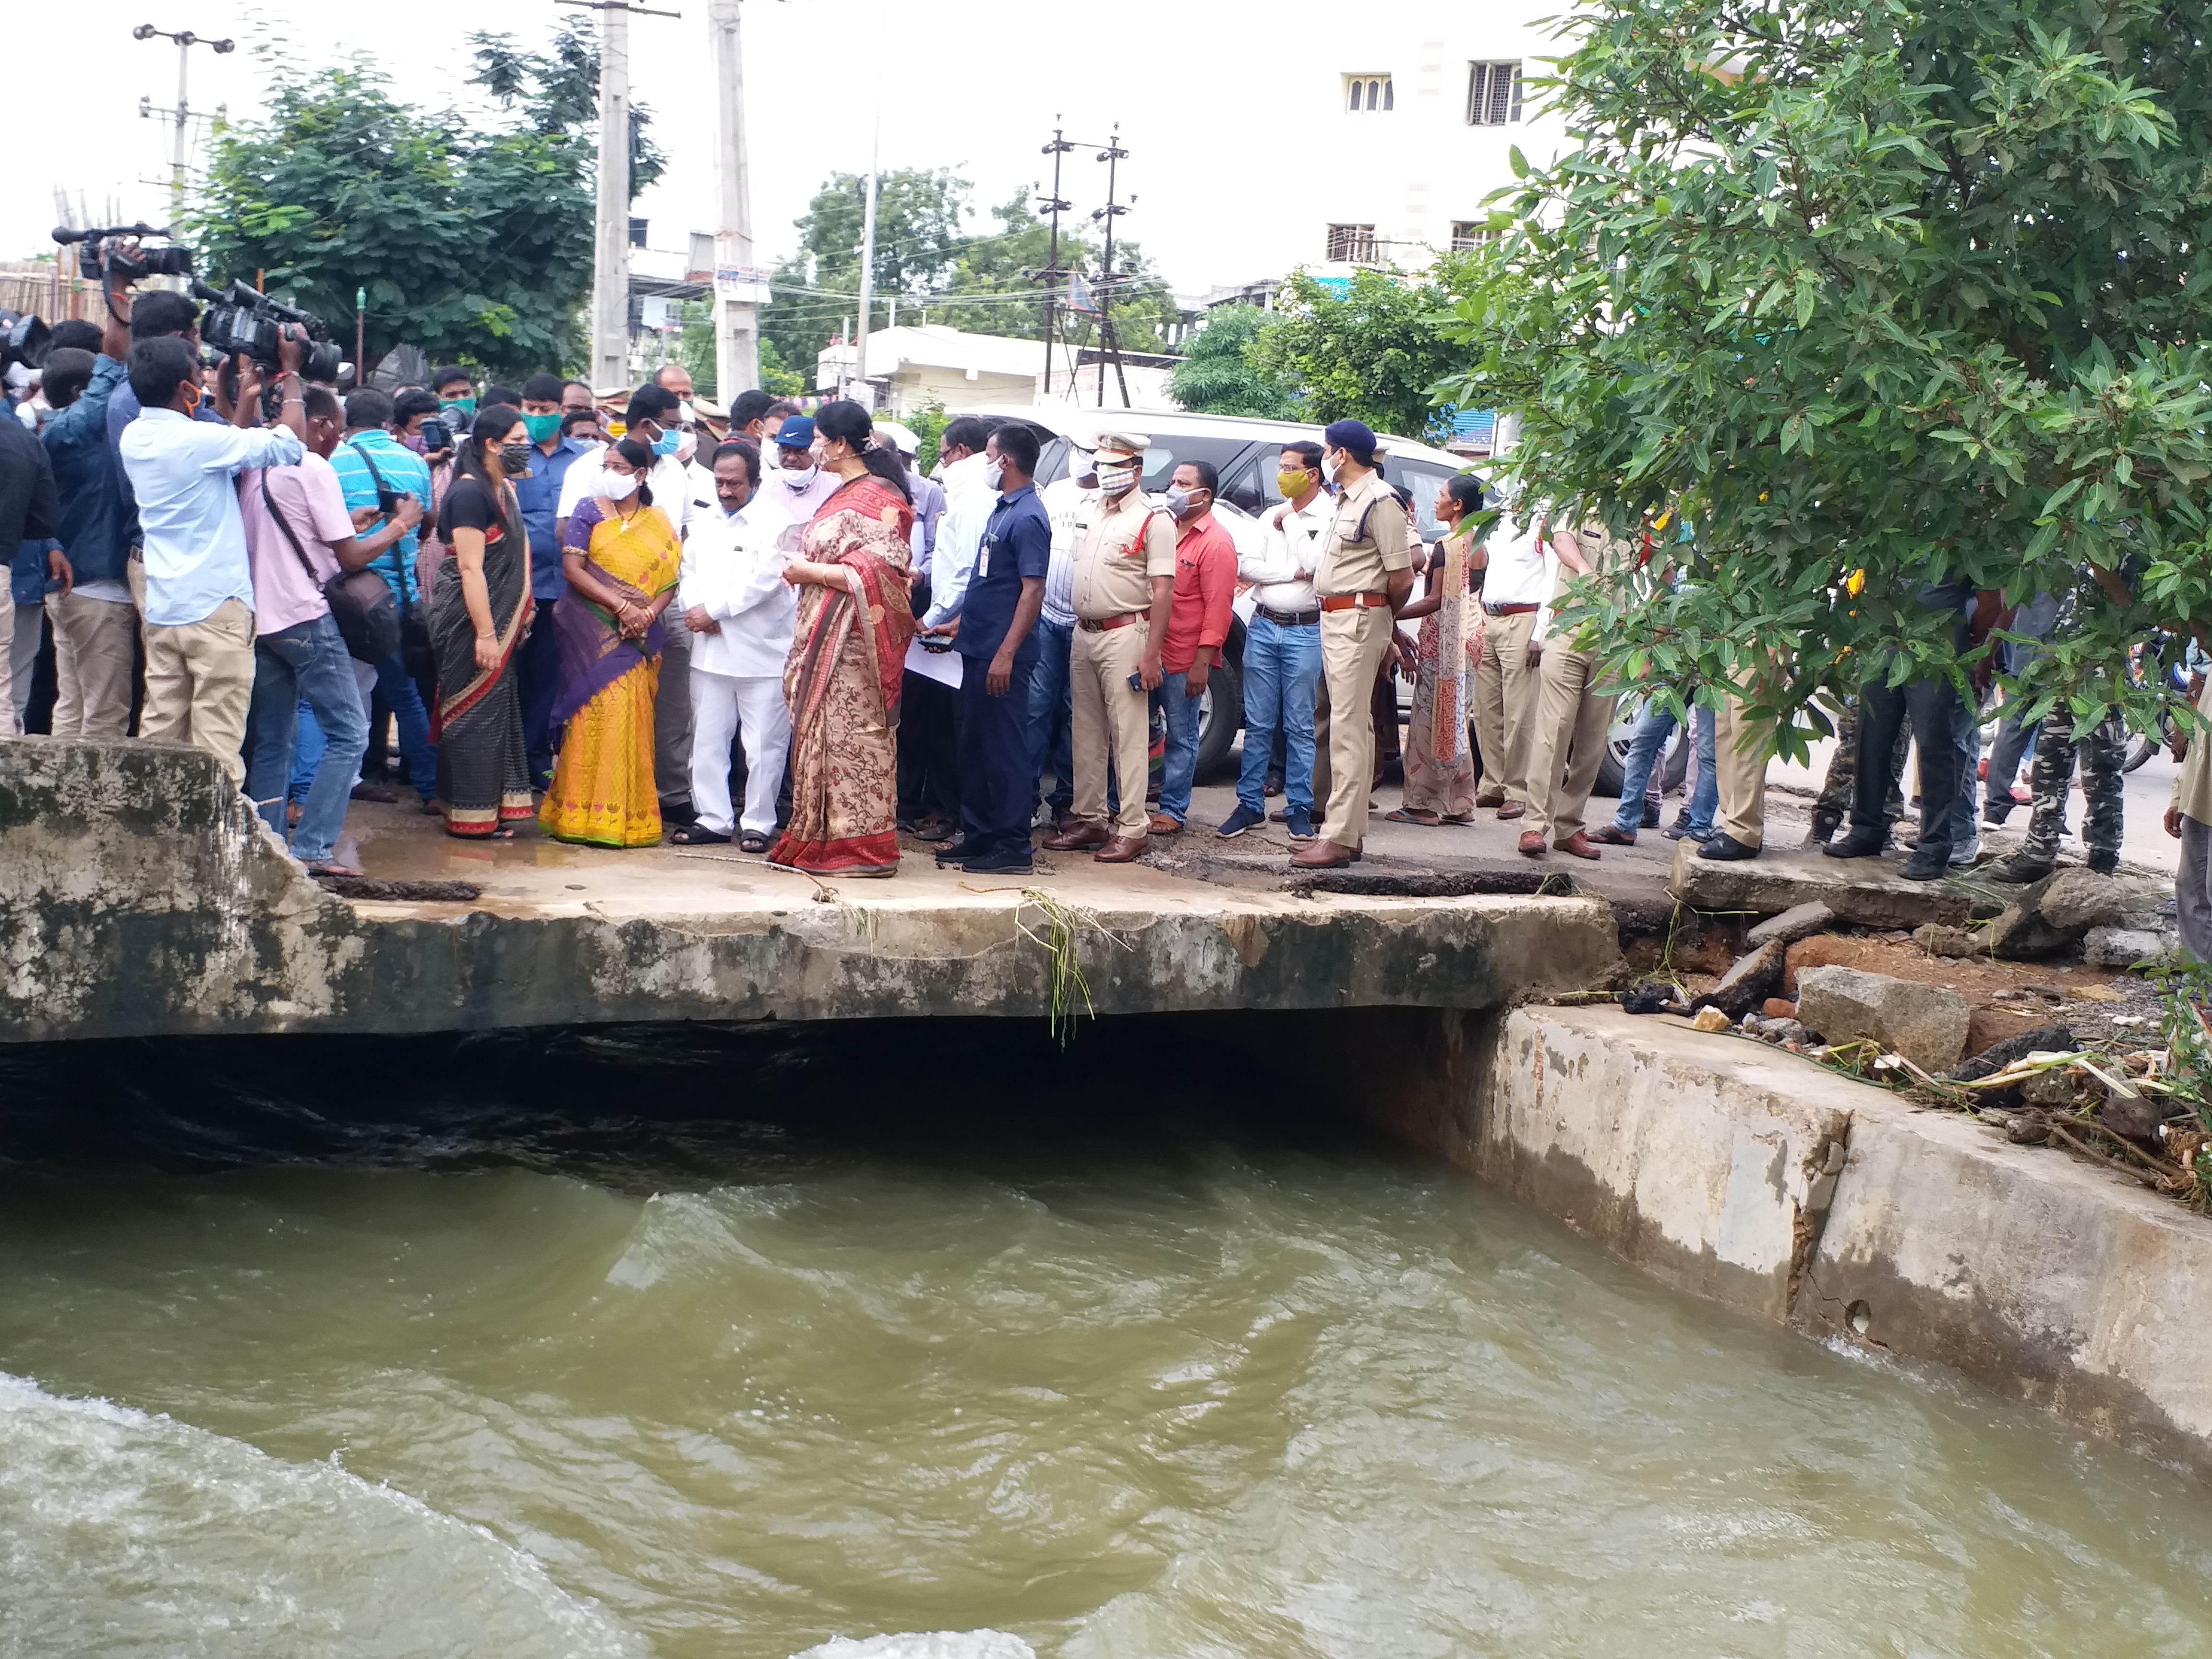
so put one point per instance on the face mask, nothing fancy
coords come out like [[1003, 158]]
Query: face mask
[[1178, 502], [414, 441], [1293, 484], [688, 447], [459, 405], [994, 475], [1118, 478], [193, 395], [666, 442], [514, 460], [619, 486], [541, 426], [799, 479], [1328, 467]]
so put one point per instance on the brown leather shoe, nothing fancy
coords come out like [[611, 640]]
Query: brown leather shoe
[[1079, 838], [1606, 836], [1323, 855], [1512, 810], [1490, 800], [1532, 843], [1122, 849], [1164, 825], [1578, 845]]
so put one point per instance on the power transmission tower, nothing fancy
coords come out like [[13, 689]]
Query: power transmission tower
[[737, 317], [611, 244], [186, 40]]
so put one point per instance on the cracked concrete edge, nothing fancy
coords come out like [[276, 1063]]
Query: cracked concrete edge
[[1760, 1182], [140, 896]]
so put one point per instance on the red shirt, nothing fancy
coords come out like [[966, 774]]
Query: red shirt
[[1205, 583]]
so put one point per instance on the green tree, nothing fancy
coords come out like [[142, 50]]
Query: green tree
[[1217, 375], [1373, 352], [1915, 291], [558, 91], [477, 248]]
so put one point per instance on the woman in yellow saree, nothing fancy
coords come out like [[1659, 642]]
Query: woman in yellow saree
[[620, 560]]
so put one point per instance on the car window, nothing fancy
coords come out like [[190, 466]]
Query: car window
[[1240, 483], [1168, 453], [1052, 461], [1423, 479]]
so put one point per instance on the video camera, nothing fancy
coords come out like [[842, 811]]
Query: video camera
[[115, 252], [24, 340], [240, 321]]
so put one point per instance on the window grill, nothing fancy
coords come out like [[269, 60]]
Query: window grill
[[1493, 95]]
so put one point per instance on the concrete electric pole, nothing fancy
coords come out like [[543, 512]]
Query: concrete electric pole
[[860, 387], [186, 40], [611, 244], [737, 287]]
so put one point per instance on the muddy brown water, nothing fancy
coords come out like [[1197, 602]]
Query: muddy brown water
[[692, 1343]]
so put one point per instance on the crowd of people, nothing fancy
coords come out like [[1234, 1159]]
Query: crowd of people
[[768, 627]]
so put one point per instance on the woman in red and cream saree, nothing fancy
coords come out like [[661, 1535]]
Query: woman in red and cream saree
[[847, 659]]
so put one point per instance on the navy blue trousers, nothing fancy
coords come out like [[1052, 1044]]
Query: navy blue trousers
[[997, 786]]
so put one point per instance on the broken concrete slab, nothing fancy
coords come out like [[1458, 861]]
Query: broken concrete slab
[[1799, 921], [2079, 898], [1754, 977], [1936, 939], [1926, 1023], [2123, 947], [1866, 891]]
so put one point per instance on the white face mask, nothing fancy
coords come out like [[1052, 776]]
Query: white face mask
[[619, 486], [687, 446], [1117, 478], [799, 478], [994, 475]]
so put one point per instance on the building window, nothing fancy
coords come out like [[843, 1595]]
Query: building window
[[1471, 233], [1353, 245], [1363, 93], [1493, 95]]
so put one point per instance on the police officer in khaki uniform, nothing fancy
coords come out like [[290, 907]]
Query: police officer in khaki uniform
[[1123, 590], [1571, 718], [1366, 573]]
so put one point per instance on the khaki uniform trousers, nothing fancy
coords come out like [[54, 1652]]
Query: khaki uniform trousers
[[1504, 696], [1568, 742], [95, 658], [1108, 721], [1739, 768], [1351, 646], [199, 684]]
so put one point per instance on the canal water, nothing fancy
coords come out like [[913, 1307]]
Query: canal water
[[703, 1344]]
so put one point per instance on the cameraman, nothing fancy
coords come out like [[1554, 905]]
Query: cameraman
[[199, 579], [95, 623], [154, 316]]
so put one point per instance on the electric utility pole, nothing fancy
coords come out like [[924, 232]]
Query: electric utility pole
[[1052, 273], [737, 319], [610, 245], [186, 40], [1110, 343], [867, 263]]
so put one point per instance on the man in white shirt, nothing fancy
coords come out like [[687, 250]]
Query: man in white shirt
[[1282, 647], [929, 709], [199, 579], [1516, 585], [740, 612], [796, 472]]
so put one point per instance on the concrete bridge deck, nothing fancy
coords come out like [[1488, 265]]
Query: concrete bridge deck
[[139, 896]]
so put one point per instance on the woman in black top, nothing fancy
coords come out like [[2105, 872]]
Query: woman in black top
[[480, 610]]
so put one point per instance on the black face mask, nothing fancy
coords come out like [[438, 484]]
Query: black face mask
[[514, 459]]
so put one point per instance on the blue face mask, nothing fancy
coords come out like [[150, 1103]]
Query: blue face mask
[[666, 442]]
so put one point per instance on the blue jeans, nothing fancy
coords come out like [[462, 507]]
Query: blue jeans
[[1179, 763], [1645, 746], [1282, 669], [306, 663], [1051, 719], [417, 753]]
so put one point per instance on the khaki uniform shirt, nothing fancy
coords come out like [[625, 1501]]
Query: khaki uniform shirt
[[2192, 789], [1120, 546], [1369, 538]]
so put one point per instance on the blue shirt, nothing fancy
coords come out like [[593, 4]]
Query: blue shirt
[[185, 476], [123, 408], [539, 497], [1017, 545], [92, 529], [405, 473]]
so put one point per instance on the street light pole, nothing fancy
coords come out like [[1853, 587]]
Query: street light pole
[[186, 40], [737, 321]]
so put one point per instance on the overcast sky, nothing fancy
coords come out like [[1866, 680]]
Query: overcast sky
[[1198, 90]]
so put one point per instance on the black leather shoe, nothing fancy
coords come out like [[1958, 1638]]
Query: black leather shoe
[[953, 851], [1928, 862], [2020, 868], [1858, 842], [1724, 848]]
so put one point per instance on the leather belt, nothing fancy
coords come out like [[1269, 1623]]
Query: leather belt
[[1508, 610], [1124, 620], [1354, 601], [1288, 618]]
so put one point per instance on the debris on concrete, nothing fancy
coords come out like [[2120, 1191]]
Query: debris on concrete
[[1779, 1008], [2123, 947], [1925, 1023], [1749, 981], [1709, 1019], [2079, 898], [1937, 939], [1799, 921], [2044, 1039]]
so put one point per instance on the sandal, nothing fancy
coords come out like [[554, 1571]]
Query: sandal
[[696, 835], [1408, 815], [752, 841]]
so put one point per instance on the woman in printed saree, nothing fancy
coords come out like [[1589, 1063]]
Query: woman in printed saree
[[1439, 767], [479, 610], [621, 559], [848, 657]]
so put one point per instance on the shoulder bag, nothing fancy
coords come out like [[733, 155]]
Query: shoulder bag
[[359, 599], [421, 662]]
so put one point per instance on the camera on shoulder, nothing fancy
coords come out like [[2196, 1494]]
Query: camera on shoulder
[[117, 254], [240, 322]]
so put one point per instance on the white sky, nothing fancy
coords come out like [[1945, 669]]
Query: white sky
[[1198, 89]]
